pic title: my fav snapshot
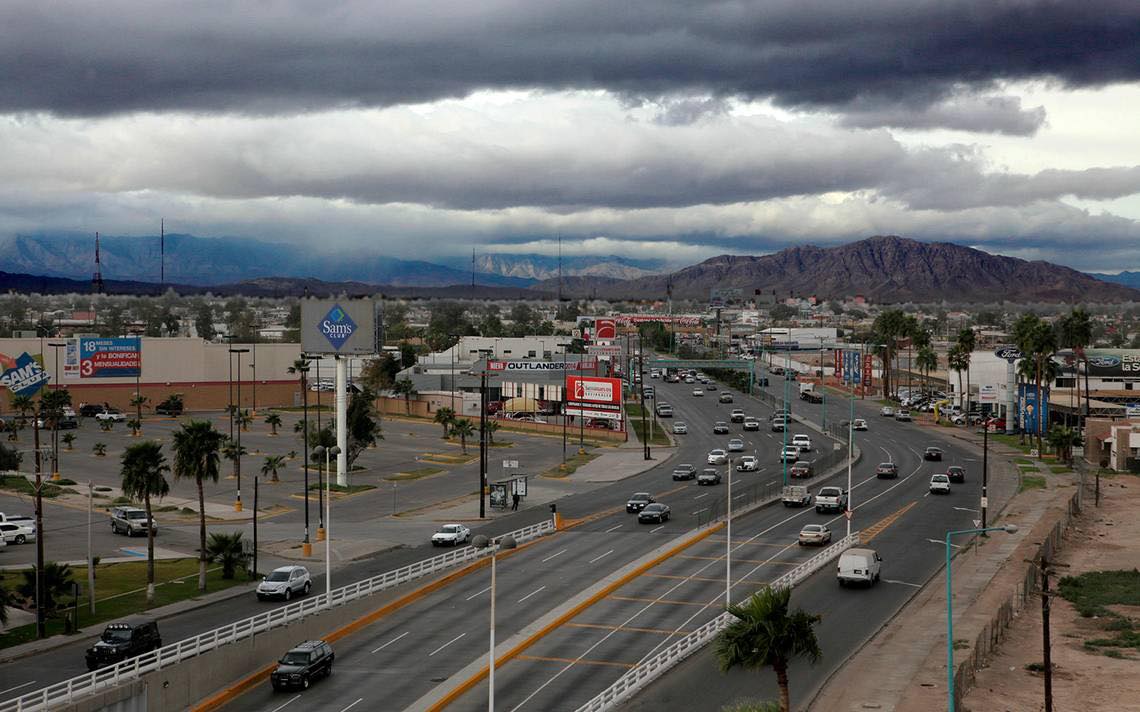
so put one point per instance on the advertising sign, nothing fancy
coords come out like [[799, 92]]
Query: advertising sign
[[837, 355], [587, 389], [628, 319], [71, 360], [22, 375], [600, 350], [605, 329], [109, 358], [1132, 410], [868, 366], [1034, 409], [988, 393], [1113, 363], [345, 326], [532, 366], [1009, 353]]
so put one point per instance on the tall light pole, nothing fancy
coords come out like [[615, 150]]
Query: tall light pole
[[253, 365], [138, 387], [328, 453], [230, 340], [728, 545], [237, 452], [483, 542], [56, 346], [849, 514], [1008, 529], [306, 545]]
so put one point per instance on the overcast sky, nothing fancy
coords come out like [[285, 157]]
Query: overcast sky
[[655, 128]]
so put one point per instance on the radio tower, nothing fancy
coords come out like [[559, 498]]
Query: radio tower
[[97, 278]]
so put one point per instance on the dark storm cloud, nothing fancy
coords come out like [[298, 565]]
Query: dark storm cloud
[[906, 56]]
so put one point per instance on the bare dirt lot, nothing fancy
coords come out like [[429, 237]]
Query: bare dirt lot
[[1102, 539]]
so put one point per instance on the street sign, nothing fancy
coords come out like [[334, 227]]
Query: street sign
[[985, 502], [510, 464], [977, 523], [850, 514]]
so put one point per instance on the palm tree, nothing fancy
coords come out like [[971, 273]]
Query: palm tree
[[888, 327], [490, 426], [57, 584], [22, 405], [136, 427], [231, 452], [242, 418], [228, 550], [406, 388], [957, 360], [106, 425], [765, 634], [273, 463], [1025, 371], [142, 473], [196, 447], [967, 342], [100, 449], [445, 417], [138, 400], [463, 429], [69, 440], [927, 361], [1063, 439], [274, 421]]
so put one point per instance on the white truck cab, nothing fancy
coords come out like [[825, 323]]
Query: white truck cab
[[859, 566]]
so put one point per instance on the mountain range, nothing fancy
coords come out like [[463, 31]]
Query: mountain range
[[1128, 279]]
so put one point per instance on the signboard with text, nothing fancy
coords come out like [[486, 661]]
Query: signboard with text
[[109, 358], [338, 326], [539, 366], [592, 397], [22, 375]]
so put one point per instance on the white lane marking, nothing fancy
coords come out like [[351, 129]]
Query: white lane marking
[[477, 594], [966, 509], [890, 457], [442, 647], [613, 529], [12, 689], [941, 542], [904, 583], [926, 495], [601, 556], [740, 496], [706, 494], [275, 709], [401, 635], [703, 509], [538, 590], [346, 709], [657, 529], [560, 553]]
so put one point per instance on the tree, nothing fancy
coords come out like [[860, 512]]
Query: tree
[[765, 634], [491, 427], [379, 374], [407, 355], [69, 440], [1076, 333], [568, 311], [10, 458], [204, 320], [100, 449], [138, 400], [57, 584], [406, 388], [967, 342], [5, 601], [447, 320], [524, 320], [196, 446], [228, 550], [462, 429], [22, 405], [782, 312], [363, 430], [242, 418], [272, 464], [232, 452], [889, 326], [1063, 439], [273, 421], [142, 473], [445, 417], [107, 425], [927, 361]]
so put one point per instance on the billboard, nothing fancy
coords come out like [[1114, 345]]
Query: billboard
[[988, 393], [541, 366], [868, 367], [1034, 410], [605, 329], [106, 358], [589, 389], [1113, 363], [338, 326], [23, 375]]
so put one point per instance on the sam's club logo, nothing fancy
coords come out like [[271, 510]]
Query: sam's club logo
[[337, 326]]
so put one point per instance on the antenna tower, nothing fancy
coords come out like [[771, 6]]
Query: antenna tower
[[97, 278], [162, 252], [559, 268]]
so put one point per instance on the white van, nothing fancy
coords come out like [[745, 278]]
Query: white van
[[859, 566]]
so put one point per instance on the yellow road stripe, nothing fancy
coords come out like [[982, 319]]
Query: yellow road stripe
[[877, 528], [582, 661], [676, 577], [746, 542], [627, 629], [639, 599]]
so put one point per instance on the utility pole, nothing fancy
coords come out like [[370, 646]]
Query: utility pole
[[41, 623], [641, 391], [483, 443], [985, 468], [1046, 651]]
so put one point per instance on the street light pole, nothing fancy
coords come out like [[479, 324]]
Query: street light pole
[[985, 467], [306, 545], [237, 452], [850, 458], [483, 542], [56, 346], [728, 544], [328, 453], [1008, 529]]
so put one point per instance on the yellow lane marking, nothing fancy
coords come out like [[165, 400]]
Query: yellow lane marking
[[877, 528], [614, 510], [746, 542], [640, 599], [702, 578], [740, 561], [569, 660], [627, 629]]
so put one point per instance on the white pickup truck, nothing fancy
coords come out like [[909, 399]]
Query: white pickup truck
[[830, 499], [796, 496]]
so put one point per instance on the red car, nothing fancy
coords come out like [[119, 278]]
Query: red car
[[802, 468]]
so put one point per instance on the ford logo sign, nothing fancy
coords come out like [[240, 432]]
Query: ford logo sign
[[1009, 353], [1105, 361]]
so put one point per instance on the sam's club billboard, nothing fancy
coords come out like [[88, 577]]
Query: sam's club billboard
[[338, 326]]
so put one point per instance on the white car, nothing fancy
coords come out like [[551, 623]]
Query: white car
[[717, 457], [803, 442], [789, 453], [748, 463], [285, 582], [451, 535], [859, 424], [887, 411], [698, 392], [17, 532], [113, 416], [939, 484], [817, 534], [736, 445], [680, 428]]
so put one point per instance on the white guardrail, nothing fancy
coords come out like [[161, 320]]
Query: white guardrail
[[649, 670], [79, 687]]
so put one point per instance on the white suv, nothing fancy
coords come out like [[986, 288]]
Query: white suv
[[803, 442], [939, 484], [284, 582], [131, 521]]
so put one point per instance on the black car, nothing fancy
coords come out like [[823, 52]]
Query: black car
[[956, 473], [90, 410], [654, 513], [638, 502], [932, 453], [122, 640], [299, 666], [170, 406], [684, 472]]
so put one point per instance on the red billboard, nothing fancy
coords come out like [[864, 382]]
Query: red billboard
[[838, 366], [605, 329], [868, 364], [588, 389]]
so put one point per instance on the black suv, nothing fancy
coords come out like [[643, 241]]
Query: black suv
[[300, 665], [170, 406], [123, 640]]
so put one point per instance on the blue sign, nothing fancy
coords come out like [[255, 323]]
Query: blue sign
[[1034, 409], [24, 376], [110, 358], [337, 326]]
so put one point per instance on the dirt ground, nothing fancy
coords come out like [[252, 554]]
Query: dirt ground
[[1103, 539]]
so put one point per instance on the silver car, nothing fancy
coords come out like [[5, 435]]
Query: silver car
[[285, 582], [717, 457], [815, 534], [736, 445]]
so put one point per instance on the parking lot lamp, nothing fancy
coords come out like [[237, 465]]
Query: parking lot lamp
[[483, 542], [328, 452]]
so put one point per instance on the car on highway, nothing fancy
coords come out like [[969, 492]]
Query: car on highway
[[285, 582], [737, 415], [123, 639], [17, 532], [717, 457], [815, 535], [939, 484], [680, 428], [801, 468], [779, 425], [451, 535], [956, 473], [887, 470], [830, 499], [131, 521], [795, 496], [789, 453], [748, 463], [887, 411], [690, 379], [654, 513], [710, 386], [639, 501], [858, 424], [736, 445], [111, 415], [302, 664], [720, 427], [708, 476], [803, 442], [698, 392], [903, 416], [932, 453], [684, 472], [664, 410], [725, 397], [859, 566], [751, 424]]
